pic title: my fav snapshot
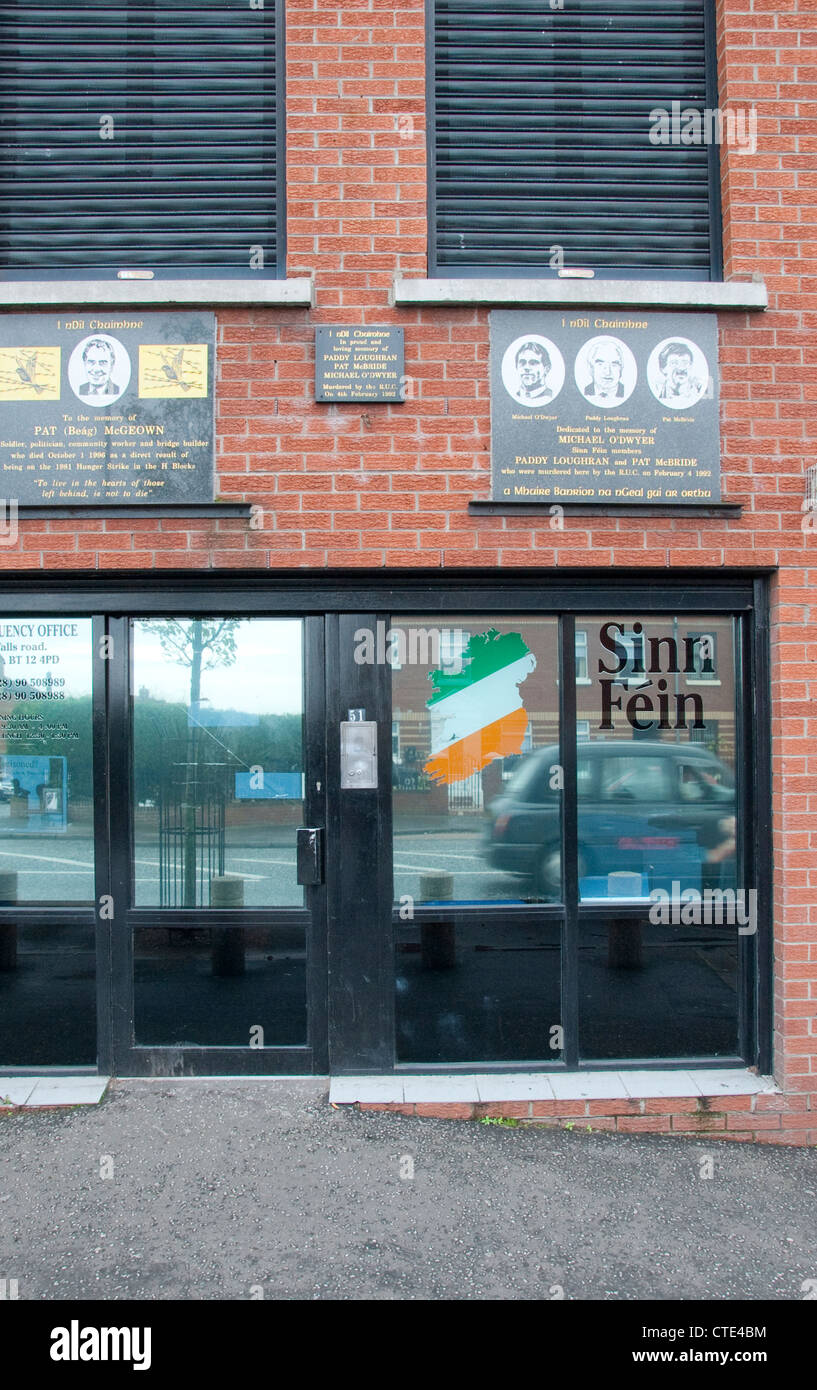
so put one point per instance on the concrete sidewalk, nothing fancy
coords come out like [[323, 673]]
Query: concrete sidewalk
[[219, 1188]]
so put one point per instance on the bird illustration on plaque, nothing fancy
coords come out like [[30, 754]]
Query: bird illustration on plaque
[[618, 408], [107, 409]]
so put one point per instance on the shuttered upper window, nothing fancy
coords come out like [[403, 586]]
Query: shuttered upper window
[[541, 139], [144, 135]]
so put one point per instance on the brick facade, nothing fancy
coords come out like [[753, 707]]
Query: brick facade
[[387, 486]]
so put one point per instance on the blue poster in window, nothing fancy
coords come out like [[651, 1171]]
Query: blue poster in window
[[35, 791], [269, 786]]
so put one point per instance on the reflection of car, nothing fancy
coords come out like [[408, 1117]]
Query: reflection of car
[[6, 789], [653, 811]]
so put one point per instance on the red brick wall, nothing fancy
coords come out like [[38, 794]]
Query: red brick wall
[[388, 485], [772, 1119]]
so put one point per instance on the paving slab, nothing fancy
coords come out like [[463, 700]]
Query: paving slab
[[16, 1090], [68, 1090]]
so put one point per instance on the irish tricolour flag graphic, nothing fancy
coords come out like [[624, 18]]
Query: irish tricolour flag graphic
[[477, 715]]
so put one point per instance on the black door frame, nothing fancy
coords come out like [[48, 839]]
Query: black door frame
[[354, 1020], [129, 1058]]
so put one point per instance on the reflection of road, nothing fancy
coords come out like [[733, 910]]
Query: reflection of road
[[458, 854], [59, 869], [50, 868]]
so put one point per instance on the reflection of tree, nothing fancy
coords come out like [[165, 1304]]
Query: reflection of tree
[[200, 645], [274, 743], [160, 739]]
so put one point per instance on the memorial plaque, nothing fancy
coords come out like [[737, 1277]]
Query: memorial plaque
[[600, 406], [106, 407], [359, 363]]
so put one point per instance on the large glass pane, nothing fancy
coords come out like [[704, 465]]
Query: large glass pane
[[657, 828], [218, 762], [46, 761], [656, 775], [47, 969], [476, 809], [47, 994], [220, 987]]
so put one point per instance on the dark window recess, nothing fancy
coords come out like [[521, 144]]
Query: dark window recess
[[139, 136], [541, 138]]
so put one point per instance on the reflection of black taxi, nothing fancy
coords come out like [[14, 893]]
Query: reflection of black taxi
[[664, 811]]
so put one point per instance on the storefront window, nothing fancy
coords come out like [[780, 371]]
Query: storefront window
[[658, 829], [476, 809], [657, 776], [478, 871], [46, 761], [47, 965]]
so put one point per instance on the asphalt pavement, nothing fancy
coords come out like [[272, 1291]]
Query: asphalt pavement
[[236, 1189]]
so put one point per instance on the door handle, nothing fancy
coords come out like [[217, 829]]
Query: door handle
[[309, 855]]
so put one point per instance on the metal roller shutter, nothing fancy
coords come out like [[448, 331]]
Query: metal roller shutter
[[541, 137], [139, 135]]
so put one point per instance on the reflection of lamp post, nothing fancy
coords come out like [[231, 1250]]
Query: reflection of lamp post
[[188, 808], [199, 645], [188, 811]]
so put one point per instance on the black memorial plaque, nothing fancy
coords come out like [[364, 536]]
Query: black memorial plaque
[[359, 363], [106, 407], [613, 407]]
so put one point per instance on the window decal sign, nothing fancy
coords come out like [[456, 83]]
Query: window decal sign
[[615, 407], [477, 713], [112, 407]]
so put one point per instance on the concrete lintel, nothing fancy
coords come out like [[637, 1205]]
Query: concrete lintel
[[624, 294], [27, 294]]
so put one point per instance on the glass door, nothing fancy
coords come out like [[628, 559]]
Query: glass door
[[224, 971]]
